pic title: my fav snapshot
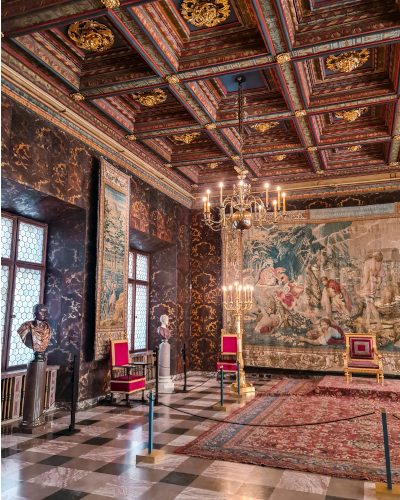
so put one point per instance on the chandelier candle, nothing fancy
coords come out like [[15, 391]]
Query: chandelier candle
[[279, 197], [284, 201], [275, 209], [266, 195], [220, 194]]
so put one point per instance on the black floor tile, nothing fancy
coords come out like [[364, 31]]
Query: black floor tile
[[49, 436], [330, 497], [179, 478], [129, 426], [8, 452], [196, 418], [65, 494], [115, 469], [98, 441], [117, 411], [7, 484], [175, 430], [88, 422], [55, 460]]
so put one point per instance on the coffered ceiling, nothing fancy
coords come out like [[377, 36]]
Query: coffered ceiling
[[305, 117]]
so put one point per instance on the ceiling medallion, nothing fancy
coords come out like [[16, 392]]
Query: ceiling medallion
[[205, 13], [347, 61], [263, 127], [91, 35], [167, 165], [354, 148], [187, 138], [312, 148], [131, 137], [396, 137], [235, 157], [212, 165], [279, 157], [77, 96], [350, 115], [172, 79], [300, 112], [282, 58], [110, 4], [210, 126], [150, 97]]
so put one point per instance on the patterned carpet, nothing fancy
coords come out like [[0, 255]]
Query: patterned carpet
[[359, 387], [348, 448]]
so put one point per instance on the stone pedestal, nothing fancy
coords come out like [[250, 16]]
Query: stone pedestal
[[165, 384], [34, 394]]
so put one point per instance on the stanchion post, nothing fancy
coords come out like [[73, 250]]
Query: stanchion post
[[183, 352], [151, 417], [238, 376], [222, 386], [387, 454], [156, 353]]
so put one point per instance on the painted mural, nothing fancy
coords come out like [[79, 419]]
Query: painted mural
[[112, 263], [314, 282]]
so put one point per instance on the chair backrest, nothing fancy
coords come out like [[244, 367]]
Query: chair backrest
[[361, 346], [119, 352], [228, 344]]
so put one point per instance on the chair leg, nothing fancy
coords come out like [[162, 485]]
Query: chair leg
[[346, 374]]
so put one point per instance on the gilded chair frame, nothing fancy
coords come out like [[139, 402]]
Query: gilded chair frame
[[377, 359]]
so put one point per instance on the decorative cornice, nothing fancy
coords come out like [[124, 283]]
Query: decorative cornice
[[283, 58], [172, 79]]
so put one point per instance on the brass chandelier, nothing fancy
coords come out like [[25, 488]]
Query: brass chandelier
[[242, 210], [91, 35], [350, 115], [187, 138], [263, 127], [347, 61], [205, 13], [150, 97]]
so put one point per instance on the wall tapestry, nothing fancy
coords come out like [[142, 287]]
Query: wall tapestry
[[112, 257], [314, 281]]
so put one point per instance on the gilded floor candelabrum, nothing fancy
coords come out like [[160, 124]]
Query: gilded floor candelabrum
[[238, 301]]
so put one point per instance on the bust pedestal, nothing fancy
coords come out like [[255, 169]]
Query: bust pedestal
[[165, 384]]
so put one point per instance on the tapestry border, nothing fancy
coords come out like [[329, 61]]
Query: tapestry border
[[122, 183]]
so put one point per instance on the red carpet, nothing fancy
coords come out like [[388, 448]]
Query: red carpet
[[349, 448]]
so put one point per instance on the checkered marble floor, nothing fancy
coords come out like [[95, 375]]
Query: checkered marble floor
[[99, 462]]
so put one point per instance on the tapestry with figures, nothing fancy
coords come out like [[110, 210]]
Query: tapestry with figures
[[315, 281], [112, 257]]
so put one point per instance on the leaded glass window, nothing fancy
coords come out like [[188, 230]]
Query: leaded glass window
[[22, 283], [138, 300]]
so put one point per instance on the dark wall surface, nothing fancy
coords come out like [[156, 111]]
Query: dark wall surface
[[46, 165]]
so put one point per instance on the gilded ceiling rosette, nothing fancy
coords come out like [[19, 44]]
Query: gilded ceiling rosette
[[263, 127], [279, 157], [150, 97], [187, 138], [347, 61], [91, 35], [205, 13], [350, 115]]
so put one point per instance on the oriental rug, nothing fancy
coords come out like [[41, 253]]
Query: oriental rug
[[360, 387], [345, 448]]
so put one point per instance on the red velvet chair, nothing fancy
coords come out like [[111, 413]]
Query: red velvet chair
[[228, 356], [362, 356], [126, 383]]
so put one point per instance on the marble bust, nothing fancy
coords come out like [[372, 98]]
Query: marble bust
[[163, 330], [36, 334]]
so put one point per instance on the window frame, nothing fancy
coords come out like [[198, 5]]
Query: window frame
[[13, 264], [133, 281]]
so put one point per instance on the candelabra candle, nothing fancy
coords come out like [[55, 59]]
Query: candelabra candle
[[230, 294], [205, 204], [220, 195], [266, 196], [275, 208], [279, 197], [208, 208], [284, 201], [208, 197]]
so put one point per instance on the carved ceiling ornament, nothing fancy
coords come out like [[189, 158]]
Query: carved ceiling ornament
[[172, 79], [312, 148], [347, 61], [263, 127], [131, 137], [110, 4], [396, 137], [187, 138], [167, 165], [279, 157], [300, 112], [210, 126], [91, 35], [77, 96], [394, 164], [283, 58], [350, 115], [212, 165], [354, 148], [205, 13], [235, 157], [150, 97]]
